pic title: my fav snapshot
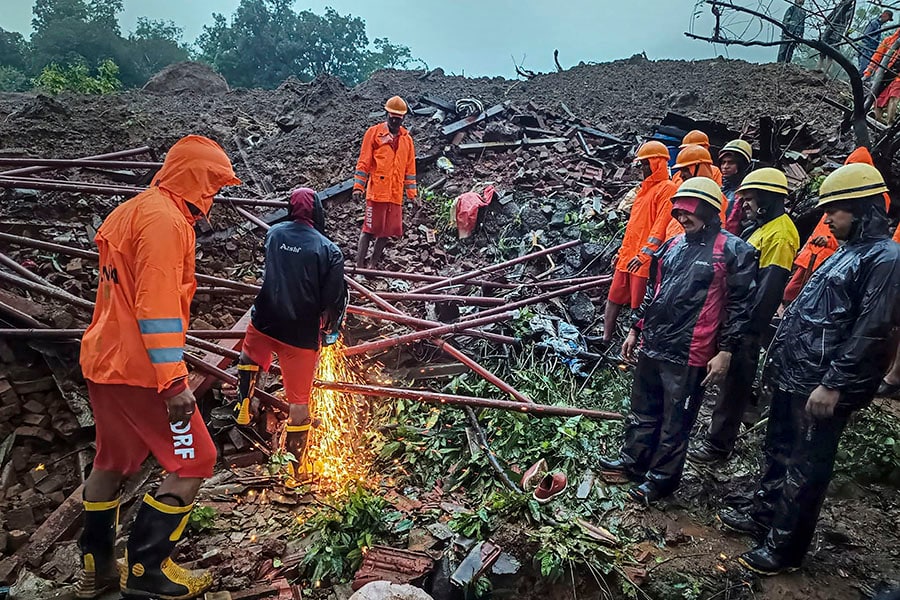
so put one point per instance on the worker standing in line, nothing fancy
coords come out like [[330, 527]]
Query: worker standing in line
[[694, 161], [132, 359], [822, 244], [303, 292], [385, 172], [645, 231], [696, 137], [825, 362], [734, 161], [691, 321], [763, 193]]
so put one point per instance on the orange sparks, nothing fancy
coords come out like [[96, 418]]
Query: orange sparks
[[335, 444]]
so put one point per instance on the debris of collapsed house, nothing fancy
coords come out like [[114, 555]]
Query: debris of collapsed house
[[552, 171]]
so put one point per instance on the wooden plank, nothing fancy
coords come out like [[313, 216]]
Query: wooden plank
[[509, 145], [464, 124]]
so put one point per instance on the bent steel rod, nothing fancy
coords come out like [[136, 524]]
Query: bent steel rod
[[117, 190], [91, 255], [65, 163], [416, 322], [109, 156], [444, 346], [429, 397], [454, 352], [491, 268], [536, 299], [424, 334], [423, 277], [468, 300]]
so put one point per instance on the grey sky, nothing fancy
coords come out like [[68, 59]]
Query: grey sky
[[479, 37]]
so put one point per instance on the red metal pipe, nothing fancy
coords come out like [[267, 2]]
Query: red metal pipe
[[539, 410], [446, 347], [415, 322], [101, 189], [15, 266], [425, 333], [48, 333], [252, 218], [354, 270], [90, 255], [109, 155], [52, 292], [223, 291], [491, 268], [221, 375], [572, 281], [536, 299], [469, 300], [451, 350], [65, 163]]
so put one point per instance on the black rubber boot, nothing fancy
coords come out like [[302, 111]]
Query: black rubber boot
[[762, 561], [706, 454], [247, 376], [150, 571], [742, 522], [97, 544], [295, 440]]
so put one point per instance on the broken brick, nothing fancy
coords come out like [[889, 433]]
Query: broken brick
[[35, 432]]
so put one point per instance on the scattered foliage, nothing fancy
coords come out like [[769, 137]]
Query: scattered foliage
[[77, 78], [202, 518]]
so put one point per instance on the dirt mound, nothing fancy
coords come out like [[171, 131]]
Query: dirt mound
[[187, 77]]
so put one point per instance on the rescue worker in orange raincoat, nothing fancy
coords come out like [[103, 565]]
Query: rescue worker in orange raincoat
[[385, 172], [694, 161], [821, 244], [650, 214], [132, 359], [698, 138]]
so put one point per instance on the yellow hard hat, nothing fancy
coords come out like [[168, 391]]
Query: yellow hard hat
[[738, 147], [703, 188], [695, 138], [396, 105], [767, 179], [652, 149], [693, 155], [851, 182]]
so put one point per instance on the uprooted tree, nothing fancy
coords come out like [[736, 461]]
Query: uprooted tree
[[887, 143]]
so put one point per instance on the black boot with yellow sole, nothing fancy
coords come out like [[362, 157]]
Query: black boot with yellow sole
[[97, 544], [150, 571]]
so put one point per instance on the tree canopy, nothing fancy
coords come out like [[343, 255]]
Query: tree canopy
[[263, 43], [266, 41]]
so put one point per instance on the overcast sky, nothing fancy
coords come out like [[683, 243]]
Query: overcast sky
[[481, 37]]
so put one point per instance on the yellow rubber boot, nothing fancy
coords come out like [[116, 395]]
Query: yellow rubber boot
[[97, 544], [150, 571], [247, 376]]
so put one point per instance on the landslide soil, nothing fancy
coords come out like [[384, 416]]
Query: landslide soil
[[626, 98]]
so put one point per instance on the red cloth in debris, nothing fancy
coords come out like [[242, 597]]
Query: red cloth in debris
[[467, 206]]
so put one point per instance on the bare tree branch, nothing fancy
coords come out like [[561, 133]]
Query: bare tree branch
[[858, 120]]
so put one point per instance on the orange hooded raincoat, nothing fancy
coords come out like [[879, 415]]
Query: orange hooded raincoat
[[147, 252], [813, 256], [387, 165], [650, 214], [674, 227]]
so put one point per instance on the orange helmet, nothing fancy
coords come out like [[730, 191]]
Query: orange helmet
[[696, 138], [652, 149], [396, 105], [693, 155]]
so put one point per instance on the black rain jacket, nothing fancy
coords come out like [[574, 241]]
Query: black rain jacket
[[699, 297], [837, 333], [303, 282]]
